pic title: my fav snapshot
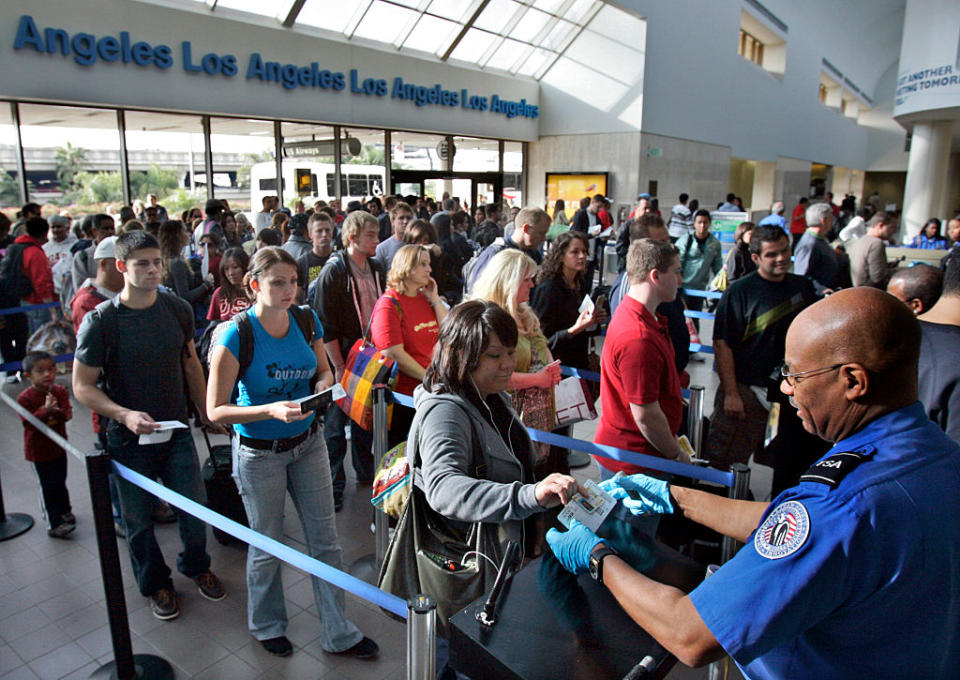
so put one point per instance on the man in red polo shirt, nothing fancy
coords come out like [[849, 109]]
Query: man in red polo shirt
[[640, 390]]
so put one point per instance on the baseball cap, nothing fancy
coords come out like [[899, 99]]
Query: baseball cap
[[644, 195], [106, 249]]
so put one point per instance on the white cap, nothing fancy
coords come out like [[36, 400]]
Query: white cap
[[106, 249]]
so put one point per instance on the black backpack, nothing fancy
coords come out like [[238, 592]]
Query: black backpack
[[14, 284]]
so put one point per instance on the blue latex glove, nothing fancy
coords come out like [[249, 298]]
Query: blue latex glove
[[654, 493], [572, 548]]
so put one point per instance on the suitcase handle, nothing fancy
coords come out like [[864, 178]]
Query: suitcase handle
[[213, 459]]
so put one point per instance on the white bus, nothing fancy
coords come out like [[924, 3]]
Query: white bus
[[312, 182]]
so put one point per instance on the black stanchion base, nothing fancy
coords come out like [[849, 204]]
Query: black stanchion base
[[578, 459], [365, 568], [15, 524], [148, 667]]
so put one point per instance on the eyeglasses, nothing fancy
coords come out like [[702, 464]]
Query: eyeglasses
[[793, 378]]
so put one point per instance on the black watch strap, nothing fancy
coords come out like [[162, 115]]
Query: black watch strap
[[596, 561]]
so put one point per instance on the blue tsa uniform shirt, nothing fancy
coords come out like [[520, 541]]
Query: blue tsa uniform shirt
[[854, 572]]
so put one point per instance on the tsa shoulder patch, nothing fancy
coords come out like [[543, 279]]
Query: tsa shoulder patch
[[783, 532]]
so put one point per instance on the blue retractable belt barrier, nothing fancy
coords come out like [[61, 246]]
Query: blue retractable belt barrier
[[624, 456], [335, 577], [580, 373], [17, 365], [696, 292], [28, 308], [693, 314]]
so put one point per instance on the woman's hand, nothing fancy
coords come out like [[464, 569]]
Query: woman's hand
[[430, 291], [555, 489], [549, 375], [587, 318], [324, 382], [287, 411]]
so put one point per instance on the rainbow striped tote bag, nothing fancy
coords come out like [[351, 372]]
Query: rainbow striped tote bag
[[365, 367]]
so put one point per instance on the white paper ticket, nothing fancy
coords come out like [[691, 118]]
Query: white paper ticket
[[589, 508]]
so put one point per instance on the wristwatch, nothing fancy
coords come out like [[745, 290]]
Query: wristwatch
[[596, 562]]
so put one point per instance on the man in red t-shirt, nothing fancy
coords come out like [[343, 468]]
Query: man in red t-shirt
[[798, 221], [640, 391]]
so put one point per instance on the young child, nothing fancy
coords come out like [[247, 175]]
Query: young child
[[50, 403]]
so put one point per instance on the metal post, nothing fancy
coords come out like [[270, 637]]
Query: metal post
[[739, 490], [421, 638], [124, 159], [337, 163], [278, 160], [381, 521], [207, 155], [387, 163], [21, 164], [695, 419], [125, 664], [13, 524]]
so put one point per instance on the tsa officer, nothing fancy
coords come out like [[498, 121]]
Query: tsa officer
[[854, 572]]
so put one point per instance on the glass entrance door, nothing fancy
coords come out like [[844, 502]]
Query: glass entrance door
[[472, 188]]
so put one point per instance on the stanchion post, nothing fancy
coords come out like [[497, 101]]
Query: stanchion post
[[695, 419], [421, 638], [125, 665], [739, 491], [13, 524], [381, 521]]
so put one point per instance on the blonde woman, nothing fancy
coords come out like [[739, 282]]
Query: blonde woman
[[507, 281], [405, 324]]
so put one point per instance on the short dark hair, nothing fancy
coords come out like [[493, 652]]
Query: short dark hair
[[213, 208], [731, 197], [35, 357], [684, 197], [36, 227], [765, 233], [127, 214], [951, 277], [100, 218], [132, 241], [464, 337], [921, 281], [640, 226], [703, 213], [29, 207], [269, 237]]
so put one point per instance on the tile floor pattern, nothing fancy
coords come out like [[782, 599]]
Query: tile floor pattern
[[53, 621]]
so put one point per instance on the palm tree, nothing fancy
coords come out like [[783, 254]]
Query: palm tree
[[69, 160]]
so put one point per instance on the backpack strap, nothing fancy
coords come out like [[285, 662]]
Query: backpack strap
[[245, 331], [303, 315]]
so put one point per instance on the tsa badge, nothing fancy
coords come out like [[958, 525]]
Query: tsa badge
[[783, 531]]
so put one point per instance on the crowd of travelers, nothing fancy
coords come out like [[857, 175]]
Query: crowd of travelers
[[241, 316]]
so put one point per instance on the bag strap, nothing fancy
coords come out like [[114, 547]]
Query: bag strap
[[245, 331]]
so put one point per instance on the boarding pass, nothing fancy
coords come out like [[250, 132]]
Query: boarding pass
[[590, 507]]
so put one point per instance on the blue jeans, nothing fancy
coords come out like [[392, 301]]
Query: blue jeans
[[361, 447], [264, 478], [175, 463]]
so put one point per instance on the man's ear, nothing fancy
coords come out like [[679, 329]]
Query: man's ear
[[121, 266], [856, 380]]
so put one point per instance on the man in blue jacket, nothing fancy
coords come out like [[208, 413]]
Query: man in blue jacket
[[853, 572]]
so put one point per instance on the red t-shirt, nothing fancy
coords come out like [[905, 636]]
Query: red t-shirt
[[222, 309], [37, 447], [636, 367], [604, 217], [798, 221], [414, 326]]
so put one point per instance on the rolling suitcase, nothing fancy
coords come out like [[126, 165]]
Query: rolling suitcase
[[222, 494]]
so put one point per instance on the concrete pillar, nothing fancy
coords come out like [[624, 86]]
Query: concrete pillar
[[926, 175]]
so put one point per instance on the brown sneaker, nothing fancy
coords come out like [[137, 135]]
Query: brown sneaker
[[209, 586], [164, 605]]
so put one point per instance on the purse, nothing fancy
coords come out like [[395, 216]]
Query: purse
[[535, 405], [365, 367], [573, 402], [428, 555]]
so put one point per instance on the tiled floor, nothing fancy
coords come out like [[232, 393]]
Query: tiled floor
[[53, 622]]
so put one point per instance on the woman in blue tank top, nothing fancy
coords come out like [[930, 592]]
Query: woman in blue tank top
[[277, 449]]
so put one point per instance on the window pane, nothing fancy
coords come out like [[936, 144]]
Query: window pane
[[534, 61], [166, 158], [385, 23], [513, 173], [332, 16], [473, 46], [307, 157], [366, 167], [476, 155], [431, 34], [237, 145], [280, 10], [529, 25], [455, 10], [415, 151], [558, 36], [497, 15], [9, 188], [508, 54]]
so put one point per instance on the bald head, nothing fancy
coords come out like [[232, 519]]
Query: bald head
[[918, 287], [866, 326]]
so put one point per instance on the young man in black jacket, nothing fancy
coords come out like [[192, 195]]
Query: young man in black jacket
[[347, 289]]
